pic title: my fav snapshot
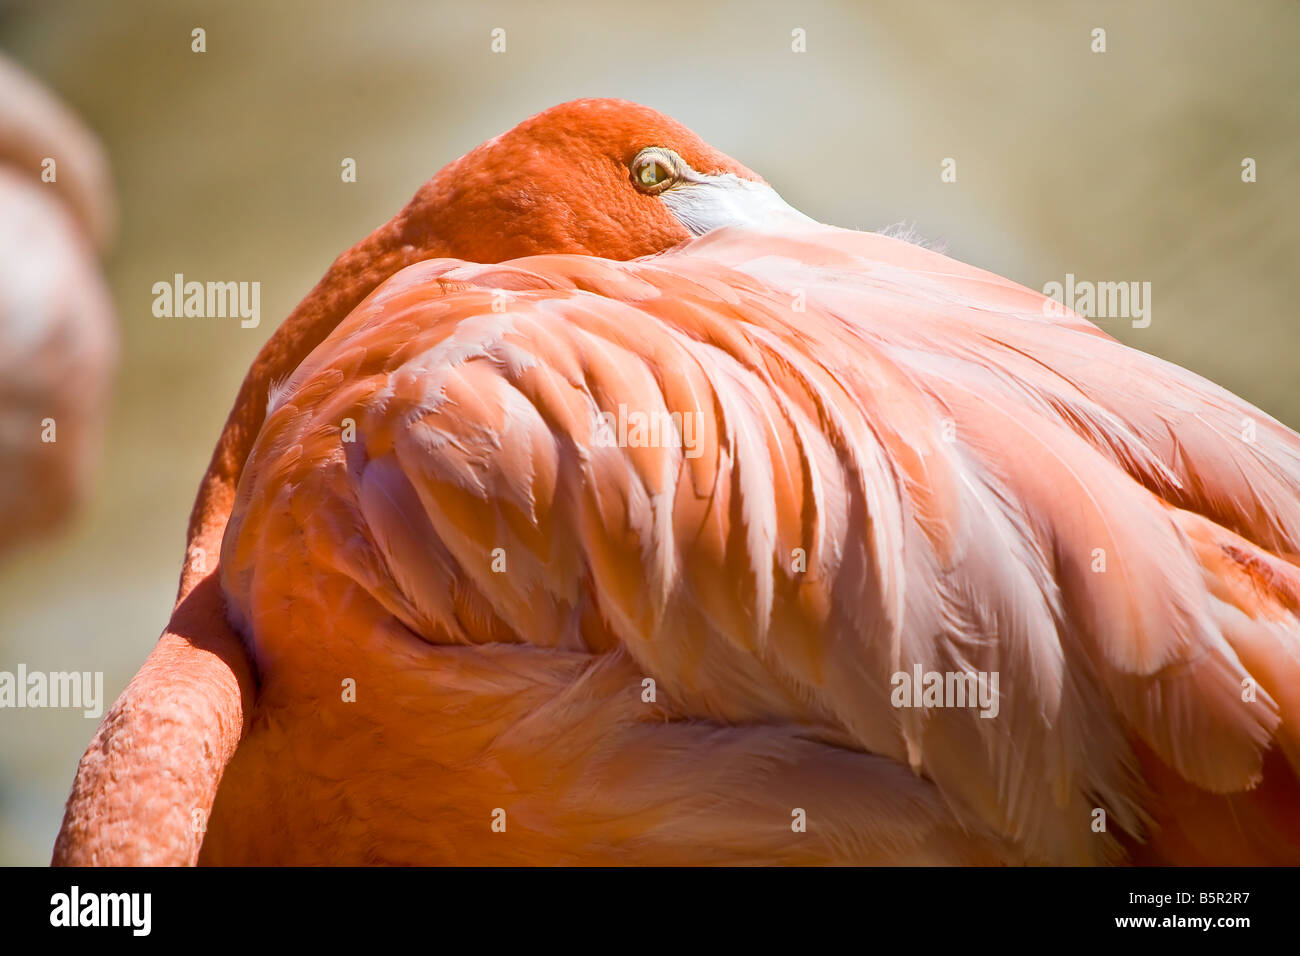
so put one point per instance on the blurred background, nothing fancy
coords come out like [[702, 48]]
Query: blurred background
[[1115, 166]]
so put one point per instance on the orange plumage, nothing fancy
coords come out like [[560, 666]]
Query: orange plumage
[[452, 586]]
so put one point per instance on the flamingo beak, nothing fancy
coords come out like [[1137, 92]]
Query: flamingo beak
[[703, 202]]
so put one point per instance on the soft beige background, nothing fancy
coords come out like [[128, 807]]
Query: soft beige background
[[1118, 166]]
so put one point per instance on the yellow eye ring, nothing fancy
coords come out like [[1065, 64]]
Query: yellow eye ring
[[654, 170]]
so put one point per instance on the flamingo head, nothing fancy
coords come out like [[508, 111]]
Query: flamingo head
[[593, 177]]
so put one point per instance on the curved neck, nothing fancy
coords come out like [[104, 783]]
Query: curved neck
[[353, 276], [147, 782]]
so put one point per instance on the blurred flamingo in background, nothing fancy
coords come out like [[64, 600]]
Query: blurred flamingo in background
[[58, 341], [431, 612]]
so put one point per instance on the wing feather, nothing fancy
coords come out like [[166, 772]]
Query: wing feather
[[918, 466]]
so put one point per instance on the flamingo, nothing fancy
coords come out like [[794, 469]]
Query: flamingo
[[58, 341], [432, 613]]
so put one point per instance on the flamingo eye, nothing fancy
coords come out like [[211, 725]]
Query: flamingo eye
[[654, 170]]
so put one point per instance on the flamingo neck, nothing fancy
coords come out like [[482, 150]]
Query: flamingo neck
[[404, 240], [168, 738]]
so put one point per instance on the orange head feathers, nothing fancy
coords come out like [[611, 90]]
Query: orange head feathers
[[563, 181]]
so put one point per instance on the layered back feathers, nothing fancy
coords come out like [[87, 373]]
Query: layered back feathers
[[879, 458]]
